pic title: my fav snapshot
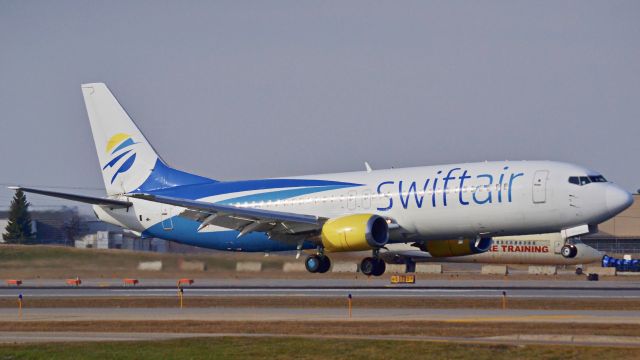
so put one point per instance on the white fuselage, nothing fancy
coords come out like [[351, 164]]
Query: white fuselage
[[426, 203]]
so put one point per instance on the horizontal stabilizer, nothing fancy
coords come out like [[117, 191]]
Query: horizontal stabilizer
[[75, 197]]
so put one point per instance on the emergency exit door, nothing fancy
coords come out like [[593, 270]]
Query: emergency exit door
[[540, 186]]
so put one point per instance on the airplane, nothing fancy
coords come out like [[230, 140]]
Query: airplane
[[537, 249], [351, 211]]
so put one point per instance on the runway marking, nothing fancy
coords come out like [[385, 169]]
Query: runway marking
[[518, 318], [335, 294], [582, 340]]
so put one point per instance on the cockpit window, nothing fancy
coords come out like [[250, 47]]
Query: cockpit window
[[597, 178], [574, 241], [584, 180]]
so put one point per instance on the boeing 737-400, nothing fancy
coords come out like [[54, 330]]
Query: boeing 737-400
[[353, 211]]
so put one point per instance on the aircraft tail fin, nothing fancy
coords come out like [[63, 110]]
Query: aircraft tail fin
[[128, 162]]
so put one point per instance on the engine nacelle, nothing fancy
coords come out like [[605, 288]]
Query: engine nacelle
[[355, 233], [457, 247]]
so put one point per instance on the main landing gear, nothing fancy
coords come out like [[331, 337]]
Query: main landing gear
[[319, 263], [372, 266]]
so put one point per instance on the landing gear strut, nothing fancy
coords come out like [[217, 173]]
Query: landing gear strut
[[373, 265], [319, 263]]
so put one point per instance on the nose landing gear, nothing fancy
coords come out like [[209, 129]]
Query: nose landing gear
[[569, 251]]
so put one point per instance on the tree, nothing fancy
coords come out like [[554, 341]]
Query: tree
[[18, 230], [71, 229]]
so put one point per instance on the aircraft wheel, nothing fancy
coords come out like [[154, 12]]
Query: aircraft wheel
[[325, 264], [313, 263], [379, 268], [367, 266], [574, 251], [569, 251]]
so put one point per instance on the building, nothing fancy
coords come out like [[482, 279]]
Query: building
[[66, 227], [50, 226], [621, 234], [119, 239]]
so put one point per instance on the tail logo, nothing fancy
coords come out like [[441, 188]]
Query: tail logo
[[118, 147]]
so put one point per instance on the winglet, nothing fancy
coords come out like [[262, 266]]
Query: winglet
[[366, 165]]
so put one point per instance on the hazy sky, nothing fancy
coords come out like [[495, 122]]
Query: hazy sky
[[244, 89]]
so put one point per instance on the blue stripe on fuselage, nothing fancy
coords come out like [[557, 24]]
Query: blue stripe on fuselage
[[185, 231], [199, 191]]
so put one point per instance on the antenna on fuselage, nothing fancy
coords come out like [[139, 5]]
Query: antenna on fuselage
[[368, 167]]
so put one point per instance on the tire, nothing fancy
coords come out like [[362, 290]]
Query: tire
[[569, 251], [325, 264], [367, 266], [579, 271], [312, 263], [574, 251], [379, 268]]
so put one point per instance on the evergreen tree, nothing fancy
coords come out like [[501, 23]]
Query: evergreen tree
[[18, 230]]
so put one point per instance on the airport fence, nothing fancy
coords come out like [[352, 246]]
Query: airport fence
[[615, 245]]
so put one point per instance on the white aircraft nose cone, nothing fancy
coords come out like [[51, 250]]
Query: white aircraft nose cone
[[587, 254], [617, 199]]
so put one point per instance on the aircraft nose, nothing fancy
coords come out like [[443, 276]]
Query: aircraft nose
[[589, 254], [617, 199]]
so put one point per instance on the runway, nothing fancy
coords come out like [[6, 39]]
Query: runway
[[320, 314], [328, 292], [360, 282], [252, 301], [335, 288]]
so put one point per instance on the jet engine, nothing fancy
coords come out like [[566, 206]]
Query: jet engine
[[456, 247], [355, 233]]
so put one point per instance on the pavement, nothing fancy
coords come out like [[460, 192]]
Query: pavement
[[321, 314], [359, 282], [359, 288], [18, 337], [334, 288]]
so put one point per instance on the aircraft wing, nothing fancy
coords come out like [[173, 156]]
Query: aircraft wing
[[279, 225], [81, 198]]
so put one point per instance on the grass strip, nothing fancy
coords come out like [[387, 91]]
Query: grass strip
[[301, 349], [347, 327]]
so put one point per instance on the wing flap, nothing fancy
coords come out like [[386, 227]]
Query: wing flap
[[242, 219]]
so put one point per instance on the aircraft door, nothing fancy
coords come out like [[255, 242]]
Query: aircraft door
[[366, 199], [540, 186], [351, 200], [167, 221]]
